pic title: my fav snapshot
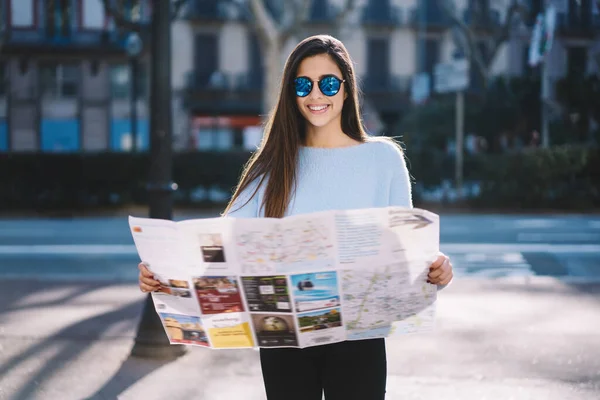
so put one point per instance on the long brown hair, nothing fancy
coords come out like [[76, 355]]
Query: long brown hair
[[285, 129]]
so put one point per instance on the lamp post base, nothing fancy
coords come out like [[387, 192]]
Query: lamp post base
[[152, 341]]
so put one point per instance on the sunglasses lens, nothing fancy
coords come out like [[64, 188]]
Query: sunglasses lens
[[303, 86], [329, 85]]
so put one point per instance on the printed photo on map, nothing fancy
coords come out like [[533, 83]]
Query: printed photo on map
[[173, 287], [274, 330], [218, 294], [176, 304], [319, 320], [321, 327], [211, 246], [231, 330], [267, 293], [315, 291], [184, 329]]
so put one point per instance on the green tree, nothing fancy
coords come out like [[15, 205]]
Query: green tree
[[480, 36]]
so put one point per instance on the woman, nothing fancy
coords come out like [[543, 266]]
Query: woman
[[316, 156]]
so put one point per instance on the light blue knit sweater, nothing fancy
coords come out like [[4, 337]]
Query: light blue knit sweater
[[372, 174]]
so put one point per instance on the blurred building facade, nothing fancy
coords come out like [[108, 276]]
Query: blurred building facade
[[218, 71], [67, 80], [66, 77]]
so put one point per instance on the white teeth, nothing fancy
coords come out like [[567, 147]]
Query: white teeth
[[317, 108]]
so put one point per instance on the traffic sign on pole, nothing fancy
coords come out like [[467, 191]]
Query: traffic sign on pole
[[451, 76], [454, 77]]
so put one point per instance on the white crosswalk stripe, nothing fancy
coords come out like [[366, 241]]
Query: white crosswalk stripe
[[490, 265]]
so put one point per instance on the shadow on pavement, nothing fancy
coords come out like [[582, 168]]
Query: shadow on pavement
[[545, 330], [131, 371], [72, 341]]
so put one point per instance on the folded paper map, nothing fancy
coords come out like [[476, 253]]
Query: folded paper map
[[297, 281]]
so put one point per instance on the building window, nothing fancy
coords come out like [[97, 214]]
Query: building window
[[60, 80], [206, 58], [255, 79], [58, 15], [378, 63], [577, 61], [92, 14], [431, 55], [120, 81], [22, 13]]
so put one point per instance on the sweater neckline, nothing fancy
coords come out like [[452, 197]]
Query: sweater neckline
[[313, 149]]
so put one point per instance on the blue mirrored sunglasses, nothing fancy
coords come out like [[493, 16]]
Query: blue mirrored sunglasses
[[329, 85]]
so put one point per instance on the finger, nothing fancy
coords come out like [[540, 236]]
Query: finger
[[147, 288], [448, 272], [149, 281], [436, 273], [145, 271], [438, 262], [444, 278]]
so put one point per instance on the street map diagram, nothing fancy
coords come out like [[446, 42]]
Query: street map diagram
[[307, 243], [376, 297]]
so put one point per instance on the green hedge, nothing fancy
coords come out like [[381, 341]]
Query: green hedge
[[75, 181], [561, 177], [565, 177], [557, 178]]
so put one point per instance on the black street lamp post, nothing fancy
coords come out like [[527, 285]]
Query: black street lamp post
[[134, 48], [151, 340]]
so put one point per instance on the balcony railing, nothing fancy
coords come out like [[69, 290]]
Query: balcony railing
[[434, 18], [72, 41], [578, 25], [382, 15], [209, 10], [323, 11], [222, 92]]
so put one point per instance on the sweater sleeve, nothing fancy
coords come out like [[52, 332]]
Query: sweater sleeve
[[400, 189], [245, 206]]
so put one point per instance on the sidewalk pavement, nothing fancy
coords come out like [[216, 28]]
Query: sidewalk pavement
[[496, 339]]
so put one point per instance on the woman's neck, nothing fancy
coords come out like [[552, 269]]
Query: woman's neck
[[327, 136]]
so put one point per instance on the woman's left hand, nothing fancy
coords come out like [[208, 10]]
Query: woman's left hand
[[440, 271]]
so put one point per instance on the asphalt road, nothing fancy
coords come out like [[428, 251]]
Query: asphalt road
[[487, 246]]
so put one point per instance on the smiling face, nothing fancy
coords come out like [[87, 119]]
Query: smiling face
[[320, 110]]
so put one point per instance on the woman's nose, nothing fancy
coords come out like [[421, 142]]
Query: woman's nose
[[315, 93]]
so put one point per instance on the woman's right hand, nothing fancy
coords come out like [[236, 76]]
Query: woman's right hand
[[146, 279]]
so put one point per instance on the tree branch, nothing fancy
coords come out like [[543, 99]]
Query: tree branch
[[242, 7], [300, 11], [119, 18], [503, 33], [264, 23], [177, 6], [468, 36]]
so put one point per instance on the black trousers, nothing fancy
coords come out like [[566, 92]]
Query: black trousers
[[344, 371]]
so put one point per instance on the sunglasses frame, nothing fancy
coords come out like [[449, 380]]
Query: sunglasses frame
[[318, 82]]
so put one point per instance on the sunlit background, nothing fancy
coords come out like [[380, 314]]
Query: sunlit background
[[104, 114]]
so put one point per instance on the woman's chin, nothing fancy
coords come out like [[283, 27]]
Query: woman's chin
[[318, 122]]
